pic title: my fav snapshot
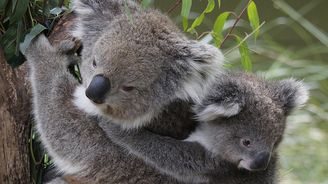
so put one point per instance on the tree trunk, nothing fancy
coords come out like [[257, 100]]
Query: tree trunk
[[15, 111]]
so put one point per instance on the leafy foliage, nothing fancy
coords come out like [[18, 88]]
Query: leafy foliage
[[253, 17], [185, 10], [218, 28], [22, 20], [217, 31]]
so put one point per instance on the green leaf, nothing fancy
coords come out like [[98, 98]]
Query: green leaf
[[219, 3], [146, 3], [244, 54], [185, 10], [19, 11], [196, 22], [56, 11], [209, 8], [15, 61], [3, 4], [218, 27], [9, 35], [36, 30], [253, 17], [18, 36]]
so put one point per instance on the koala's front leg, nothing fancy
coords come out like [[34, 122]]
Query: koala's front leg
[[186, 161], [71, 137]]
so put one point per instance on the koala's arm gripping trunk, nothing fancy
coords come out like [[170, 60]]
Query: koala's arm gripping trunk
[[71, 137]]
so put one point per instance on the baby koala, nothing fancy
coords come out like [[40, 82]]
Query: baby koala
[[243, 118]]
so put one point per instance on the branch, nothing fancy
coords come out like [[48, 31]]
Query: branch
[[243, 40], [177, 4], [234, 25]]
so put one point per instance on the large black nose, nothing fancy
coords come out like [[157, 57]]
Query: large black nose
[[261, 161], [98, 88]]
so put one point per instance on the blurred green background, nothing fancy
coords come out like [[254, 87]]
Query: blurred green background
[[293, 42]]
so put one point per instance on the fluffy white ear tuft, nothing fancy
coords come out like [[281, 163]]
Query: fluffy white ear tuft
[[214, 111], [206, 64], [292, 93]]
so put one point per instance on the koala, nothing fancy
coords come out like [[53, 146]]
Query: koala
[[242, 122], [137, 69], [135, 62]]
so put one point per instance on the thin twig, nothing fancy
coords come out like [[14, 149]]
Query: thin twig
[[234, 25], [203, 34], [243, 40], [177, 4]]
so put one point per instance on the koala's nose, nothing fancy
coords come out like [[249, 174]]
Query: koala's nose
[[98, 88], [261, 161]]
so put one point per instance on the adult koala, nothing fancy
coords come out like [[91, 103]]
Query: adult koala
[[137, 68]]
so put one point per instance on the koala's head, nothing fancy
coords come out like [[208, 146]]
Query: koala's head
[[141, 63], [244, 118]]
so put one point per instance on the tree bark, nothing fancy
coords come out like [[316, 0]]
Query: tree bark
[[15, 124], [15, 112]]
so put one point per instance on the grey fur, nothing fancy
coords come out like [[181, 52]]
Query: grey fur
[[145, 50], [75, 141], [263, 106], [156, 58]]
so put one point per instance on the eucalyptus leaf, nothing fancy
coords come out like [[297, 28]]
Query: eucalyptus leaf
[[218, 27], [210, 6], [198, 21], [35, 31], [15, 61], [19, 11], [56, 11], [9, 35], [244, 54], [3, 4], [18, 36], [185, 11], [13, 5], [253, 17]]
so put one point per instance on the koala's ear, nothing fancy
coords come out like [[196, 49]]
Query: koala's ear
[[95, 15], [216, 110], [203, 62], [291, 93], [202, 53]]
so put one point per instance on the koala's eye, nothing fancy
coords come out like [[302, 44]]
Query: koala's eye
[[246, 142], [94, 63], [128, 88]]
